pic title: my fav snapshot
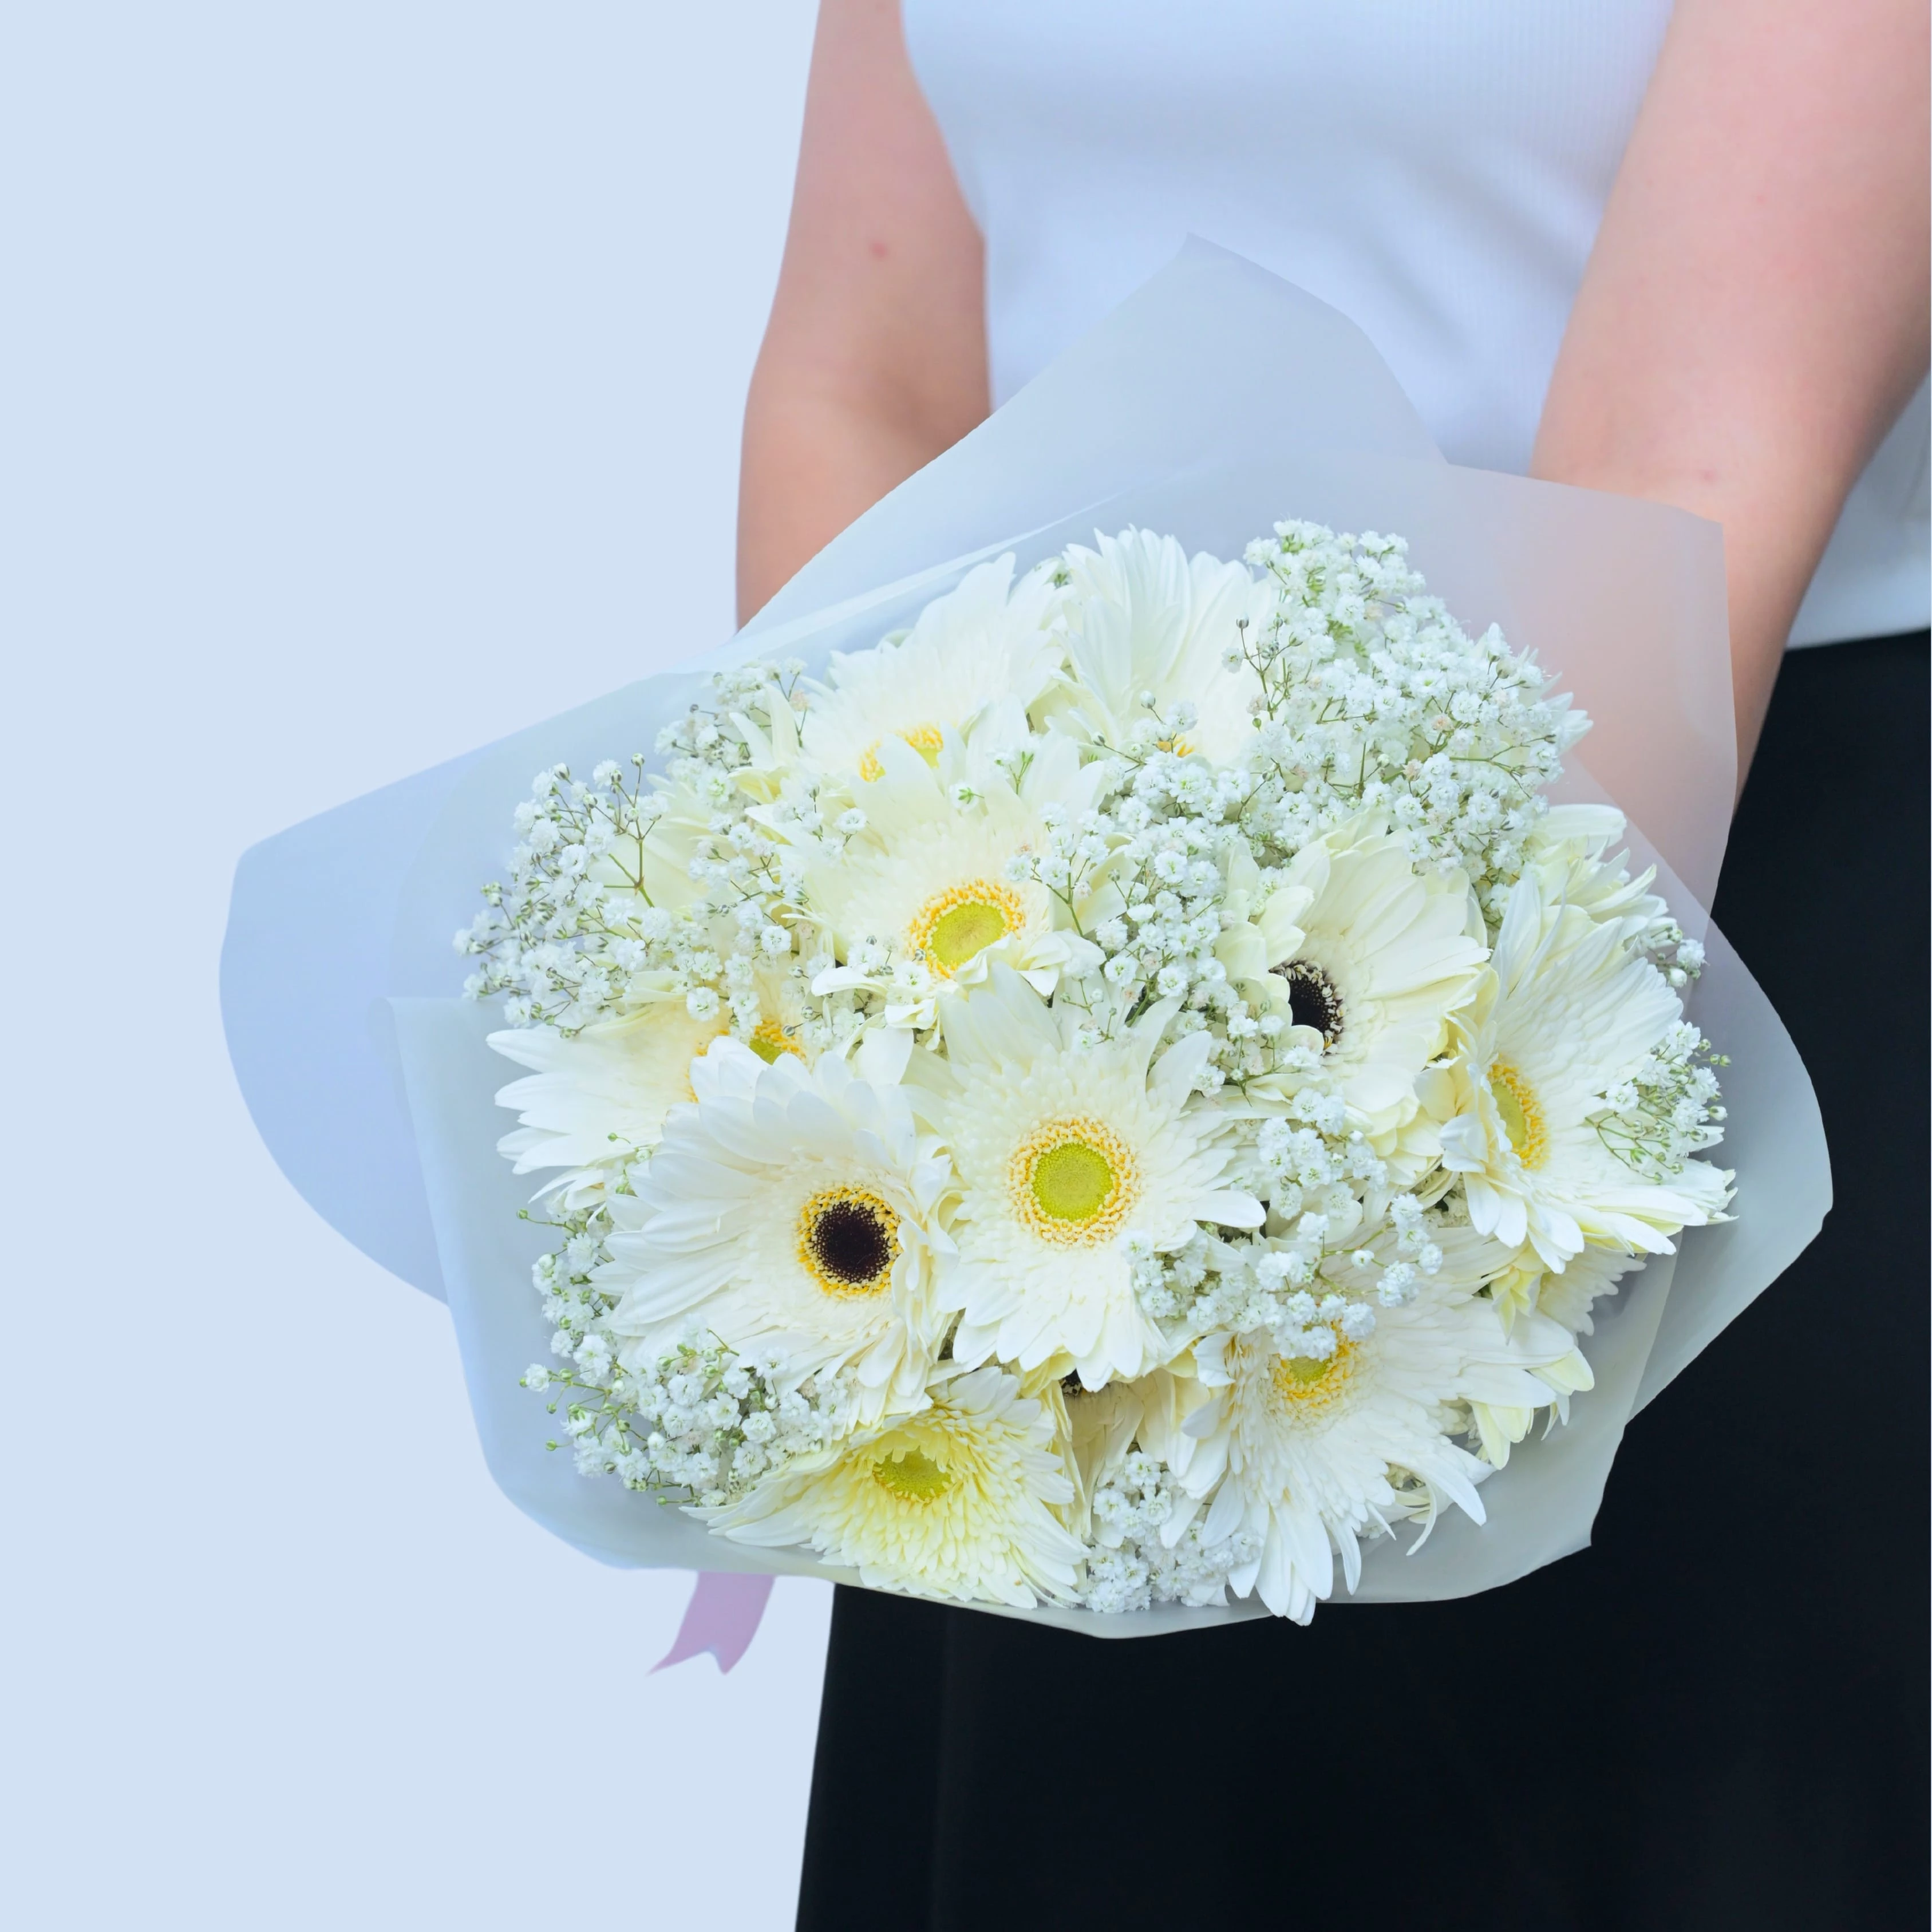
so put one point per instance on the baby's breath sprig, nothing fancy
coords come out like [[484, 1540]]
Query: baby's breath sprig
[[577, 916], [694, 1422], [1372, 696], [1668, 1108], [634, 887], [1132, 1565]]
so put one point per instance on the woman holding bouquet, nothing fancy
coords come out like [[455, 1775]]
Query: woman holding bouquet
[[1673, 254]]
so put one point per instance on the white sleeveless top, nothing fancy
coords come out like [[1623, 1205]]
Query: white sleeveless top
[[1434, 169]]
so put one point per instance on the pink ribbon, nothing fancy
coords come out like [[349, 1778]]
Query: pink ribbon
[[722, 1617]]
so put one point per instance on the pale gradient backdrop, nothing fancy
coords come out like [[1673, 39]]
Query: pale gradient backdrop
[[369, 381]]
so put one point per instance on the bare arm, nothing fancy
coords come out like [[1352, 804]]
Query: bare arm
[[1754, 313], [874, 359]]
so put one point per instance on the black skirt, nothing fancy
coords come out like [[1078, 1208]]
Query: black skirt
[[1714, 1716]]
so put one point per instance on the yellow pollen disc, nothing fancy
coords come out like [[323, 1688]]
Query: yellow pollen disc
[[848, 1242], [1301, 1380], [912, 1476], [1073, 1182], [769, 1040], [1522, 1118], [927, 740], [956, 925]]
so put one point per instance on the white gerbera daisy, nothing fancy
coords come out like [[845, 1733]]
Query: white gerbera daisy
[[598, 1098], [926, 898], [958, 1501], [1568, 1013], [1470, 1260], [1568, 1295], [983, 648], [1063, 1154], [1144, 621], [795, 1207], [1565, 1295], [1308, 1456], [1364, 958], [1566, 850]]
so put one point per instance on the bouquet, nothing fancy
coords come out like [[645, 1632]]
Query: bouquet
[[1117, 1094], [1082, 1078]]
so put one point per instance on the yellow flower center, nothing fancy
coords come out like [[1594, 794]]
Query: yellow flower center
[[769, 1040], [913, 1476], [1522, 1117], [1073, 1182], [954, 926], [927, 740], [848, 1241], [1303, 1382], [1178, 745]]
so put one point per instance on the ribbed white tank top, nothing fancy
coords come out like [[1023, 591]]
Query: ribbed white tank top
[[1434, 169]]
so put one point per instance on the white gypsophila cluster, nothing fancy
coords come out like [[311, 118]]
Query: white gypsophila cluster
[[1373, 696], [630, 888], [1132, 1566], [694, 1420], [1161, 839], [1679, 959], [1666, 1108], [564, 937], [1291, 1285], [1152, 975]]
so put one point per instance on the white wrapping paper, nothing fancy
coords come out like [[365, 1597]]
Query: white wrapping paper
[[1215, 401]]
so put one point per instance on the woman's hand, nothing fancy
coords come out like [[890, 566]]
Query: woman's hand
[[874, 360], [1754, 313]]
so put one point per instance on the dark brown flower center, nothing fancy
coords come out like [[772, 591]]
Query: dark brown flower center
[[848, 1239], [1313, 999]]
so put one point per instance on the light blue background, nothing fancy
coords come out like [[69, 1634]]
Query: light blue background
[[369, 380]]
